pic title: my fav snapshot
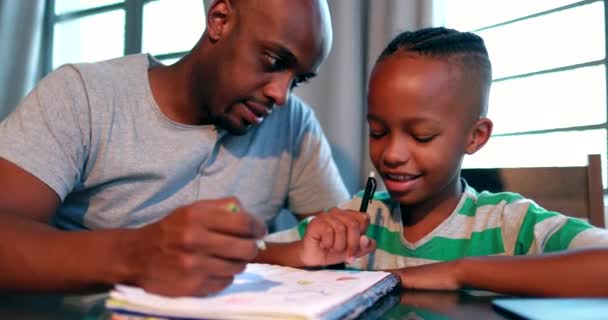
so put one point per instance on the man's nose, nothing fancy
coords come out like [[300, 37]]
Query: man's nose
[[279, 87]]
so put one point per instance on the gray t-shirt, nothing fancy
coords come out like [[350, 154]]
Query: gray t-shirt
[[95, 135]]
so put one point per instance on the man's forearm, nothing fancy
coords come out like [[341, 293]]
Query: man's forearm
[[574, 273], [36, 257]]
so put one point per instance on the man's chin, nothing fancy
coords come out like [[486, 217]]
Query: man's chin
[[236, 129]]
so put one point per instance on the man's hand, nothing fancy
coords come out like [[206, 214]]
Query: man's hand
[[336, 236], [195, 250]]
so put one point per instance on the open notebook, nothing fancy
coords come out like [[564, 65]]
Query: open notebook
[[265, 291]]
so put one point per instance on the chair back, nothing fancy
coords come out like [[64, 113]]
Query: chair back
[[572, 191]]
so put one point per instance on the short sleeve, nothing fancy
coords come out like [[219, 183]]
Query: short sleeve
[[543, 231], [47, 134], [315, 182]]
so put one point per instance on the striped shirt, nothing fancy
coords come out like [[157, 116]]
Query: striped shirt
[[482, 224]]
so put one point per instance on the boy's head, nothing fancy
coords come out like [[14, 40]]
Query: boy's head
[[427, 101]]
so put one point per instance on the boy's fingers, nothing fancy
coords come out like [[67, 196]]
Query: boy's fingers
[[353, 235], [367, 245], [327, 240], [339, 233], [364, 241]]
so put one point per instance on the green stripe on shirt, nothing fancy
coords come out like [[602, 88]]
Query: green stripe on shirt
[[561, 239], [483, 243], [525, 238]]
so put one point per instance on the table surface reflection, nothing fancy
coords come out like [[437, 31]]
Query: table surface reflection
[[399, 304]]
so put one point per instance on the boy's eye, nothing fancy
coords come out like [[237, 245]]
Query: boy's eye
[[424, 139], [376, 134]]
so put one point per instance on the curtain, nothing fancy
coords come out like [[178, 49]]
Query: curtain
[[21, 24], [362, 28]]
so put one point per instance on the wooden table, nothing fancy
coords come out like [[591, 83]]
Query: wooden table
[[398, 305]]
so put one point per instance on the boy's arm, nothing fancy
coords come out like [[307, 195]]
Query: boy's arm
[[189, 252], [332, 237], [580, 272]]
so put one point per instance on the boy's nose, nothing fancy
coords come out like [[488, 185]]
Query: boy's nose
[[396, 152]]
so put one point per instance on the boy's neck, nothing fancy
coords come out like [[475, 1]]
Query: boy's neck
[[421, 219]]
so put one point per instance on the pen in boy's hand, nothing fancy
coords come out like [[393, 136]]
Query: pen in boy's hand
[[259, 242], [368, 194]]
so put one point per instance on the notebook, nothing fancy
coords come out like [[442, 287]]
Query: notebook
[[553, 308], [266, 291]]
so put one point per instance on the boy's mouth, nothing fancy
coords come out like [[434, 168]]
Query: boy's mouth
[[400, 182]]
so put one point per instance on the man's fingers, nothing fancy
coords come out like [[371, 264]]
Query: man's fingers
[[215, 284], [226, 216], [227, 246]]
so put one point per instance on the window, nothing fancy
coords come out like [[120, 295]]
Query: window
[[548, 99], [93, 30]]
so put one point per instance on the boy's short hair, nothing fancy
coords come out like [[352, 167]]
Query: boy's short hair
[[465, 49]]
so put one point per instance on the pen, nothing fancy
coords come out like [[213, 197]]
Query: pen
[[368, 194], [259, 242]]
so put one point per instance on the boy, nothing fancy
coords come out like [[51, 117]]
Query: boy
[[427, 103]]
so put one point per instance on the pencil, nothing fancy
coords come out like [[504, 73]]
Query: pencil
[[259, 242], [368, 194]]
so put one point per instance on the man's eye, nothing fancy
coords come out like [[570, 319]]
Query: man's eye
[[273, 63], [298, 81]]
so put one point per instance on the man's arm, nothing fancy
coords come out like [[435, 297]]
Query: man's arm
[[182, 254], [37, 257], [580, 272]]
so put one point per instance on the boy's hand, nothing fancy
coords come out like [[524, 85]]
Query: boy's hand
[[195, 250], [336, 236]]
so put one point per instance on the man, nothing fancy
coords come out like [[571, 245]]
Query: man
[[123, 152]]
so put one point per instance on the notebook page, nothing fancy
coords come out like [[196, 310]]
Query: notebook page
[[262, 289]]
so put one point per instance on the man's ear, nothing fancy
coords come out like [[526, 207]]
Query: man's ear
[[219, 18], [478, 136]]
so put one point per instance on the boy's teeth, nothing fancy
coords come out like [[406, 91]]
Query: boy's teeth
[[399, 177]]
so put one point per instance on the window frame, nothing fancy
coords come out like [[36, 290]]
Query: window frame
[[441, 21], [133, 28]]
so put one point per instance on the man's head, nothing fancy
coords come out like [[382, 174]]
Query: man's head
[[253, 53], [427, 101]]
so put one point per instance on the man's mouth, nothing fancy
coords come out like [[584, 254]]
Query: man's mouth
[[253, 112], [259, 109]]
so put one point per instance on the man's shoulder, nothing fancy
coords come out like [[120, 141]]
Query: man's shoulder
[[113, 67], [296, 115], [296, 107]]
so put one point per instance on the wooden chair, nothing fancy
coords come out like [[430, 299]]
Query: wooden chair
[[573, 191]]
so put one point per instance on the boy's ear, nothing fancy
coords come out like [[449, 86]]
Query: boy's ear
[[219, 19], [479, 135]]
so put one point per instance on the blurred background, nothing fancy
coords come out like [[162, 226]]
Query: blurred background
[[548, 99]]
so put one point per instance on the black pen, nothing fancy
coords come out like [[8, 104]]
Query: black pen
[[368, 194]]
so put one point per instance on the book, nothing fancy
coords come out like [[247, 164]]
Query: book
[[265, 291]]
